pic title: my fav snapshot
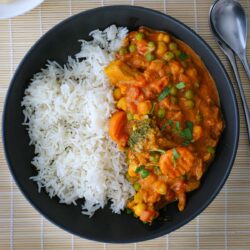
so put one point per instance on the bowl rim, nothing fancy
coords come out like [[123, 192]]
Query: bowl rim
[[234, 149]]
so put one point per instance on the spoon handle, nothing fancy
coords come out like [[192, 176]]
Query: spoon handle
[[242, 95], [243, 59]]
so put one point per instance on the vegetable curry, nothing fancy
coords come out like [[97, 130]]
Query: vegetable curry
[[168, 119]]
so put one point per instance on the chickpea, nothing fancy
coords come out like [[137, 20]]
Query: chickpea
[[161, 48], [160, 187], [189, 103], [172, 46], [173, 90], [144, 107], [163, 37], [139, 208], [117, 93], [122, 104], [189, 94]]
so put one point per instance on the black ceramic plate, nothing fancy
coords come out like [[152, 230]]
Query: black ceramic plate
[[58, 44]]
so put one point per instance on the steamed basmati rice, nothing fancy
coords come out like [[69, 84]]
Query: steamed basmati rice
[[66, 112]]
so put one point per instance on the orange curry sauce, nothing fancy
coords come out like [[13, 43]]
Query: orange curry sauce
[[168, 119]]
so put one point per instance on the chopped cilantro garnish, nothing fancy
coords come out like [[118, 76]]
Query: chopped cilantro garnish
[[187, 133], [163, 127], [177, 127], [183, 56], [139, 133], [189, 125], [144, 173], [139, 169], [170, 122], [163, 94], [129, 211], [180, 85], [153, 108], [158, 150], [176, 155]]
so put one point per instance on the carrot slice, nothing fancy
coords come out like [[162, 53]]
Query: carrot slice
[[176, 162], [117, 128]]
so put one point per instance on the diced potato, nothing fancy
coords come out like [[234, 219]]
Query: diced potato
[[118, 71]]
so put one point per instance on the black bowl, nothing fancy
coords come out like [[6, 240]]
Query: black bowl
[[58, 44]]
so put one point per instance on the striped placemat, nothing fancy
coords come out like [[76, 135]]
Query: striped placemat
[[225, 224]]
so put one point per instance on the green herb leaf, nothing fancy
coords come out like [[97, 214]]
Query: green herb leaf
[[183, 56], [139, 169], [176, 155], [129, 211], [144, 173], [177, 126], [161, 151], [210, 150], [163, 94], [164, 126], [171, 123], [187, 133], [189, 125], [153, 108], [186, 143], [180, 85]]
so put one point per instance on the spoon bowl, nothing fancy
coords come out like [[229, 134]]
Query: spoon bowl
[[230, 23]]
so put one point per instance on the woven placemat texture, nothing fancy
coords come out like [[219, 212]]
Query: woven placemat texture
[[225, 224]]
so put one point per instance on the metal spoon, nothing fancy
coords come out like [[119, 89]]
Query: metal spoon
[[230, 23], [229, 53]]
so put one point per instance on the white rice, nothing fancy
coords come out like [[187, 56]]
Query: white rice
[[66, 112]]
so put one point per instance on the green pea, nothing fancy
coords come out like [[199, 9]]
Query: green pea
[[168, 56], [173, 90], [137, 186], [189, 94], [173, 99], [172, 46], [132, 48], [210, 150], [149, 57], [177, 52], [161, 113], [144, 173], [190, 103], [130, 116], [151, 46], [197, 84], [123, 51], [139, 36], [154, 158]]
